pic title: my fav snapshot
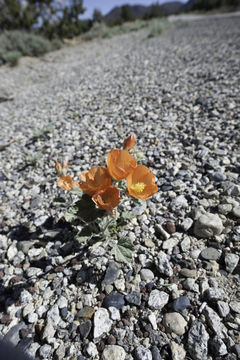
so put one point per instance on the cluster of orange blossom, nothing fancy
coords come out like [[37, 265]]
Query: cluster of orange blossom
[[97, 182]]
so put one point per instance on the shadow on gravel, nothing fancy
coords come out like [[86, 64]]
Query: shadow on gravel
[[68, 248]]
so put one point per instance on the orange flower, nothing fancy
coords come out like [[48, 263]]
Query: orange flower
[[129, 142], [94, 180], [67, 183], [107, 199], [120, 163], [141, 183]]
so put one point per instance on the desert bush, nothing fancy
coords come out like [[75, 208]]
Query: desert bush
[[14, 44], [11, 57], [156, 27]]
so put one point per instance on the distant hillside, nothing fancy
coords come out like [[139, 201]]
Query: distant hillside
[[172, 7], [140, 11]]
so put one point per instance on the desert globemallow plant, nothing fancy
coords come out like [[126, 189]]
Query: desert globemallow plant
[[100, 191]]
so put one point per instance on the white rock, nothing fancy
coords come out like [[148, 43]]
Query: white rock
[[157, 299], [208, 225], [113, 352], [102, 322]]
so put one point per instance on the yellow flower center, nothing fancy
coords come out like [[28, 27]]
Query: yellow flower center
[[138, 187]]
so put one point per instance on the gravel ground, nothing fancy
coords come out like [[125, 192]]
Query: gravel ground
[[179, 93]]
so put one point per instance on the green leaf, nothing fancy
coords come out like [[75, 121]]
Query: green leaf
[[123, 251], [59, 200], [127, 215], [105, 222], [71, 214], [76, 191]]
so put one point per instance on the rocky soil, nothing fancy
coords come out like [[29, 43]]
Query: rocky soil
[[179, 298]]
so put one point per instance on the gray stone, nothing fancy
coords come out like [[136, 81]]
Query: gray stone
[[53, 315], [186, 224], [113, 352], [48, 331], [91, 350], [223, 308], [208, 225], [141, 353], [181, 303], [179, 202], [190, 284], [236, 211], [218, 347], [210, 253], [102, 322], [163, 265], [155, 353], [112, 273], [146, 275], [215, 294], [198, 341], [160, 231], [85, 328], [235, 306], [134, 298], [32, 271], [45, 351], [214, 322], [114, 299], [231, 262], [60, 352], [157, 299], [175, 322]]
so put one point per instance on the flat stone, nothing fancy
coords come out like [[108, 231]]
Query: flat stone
[[112, 273], [215, 294], [134, 298], [157, 299], [155, 353], [181, 303], [114, 299], [102, 322], [208, 225], [198, 341], [188, 273], [113, 352], [174, 322], [210, 253]]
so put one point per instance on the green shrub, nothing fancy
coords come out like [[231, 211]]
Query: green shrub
[[14, 44], [12, 57], [156, 27]]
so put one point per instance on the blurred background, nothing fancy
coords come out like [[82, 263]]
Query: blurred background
[[32, 27]]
